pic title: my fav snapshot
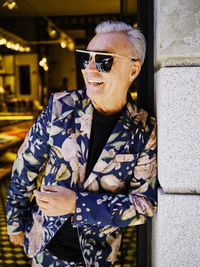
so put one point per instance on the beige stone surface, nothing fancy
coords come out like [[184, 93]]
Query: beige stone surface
[[177, 32], [175, 231], [178, 115]]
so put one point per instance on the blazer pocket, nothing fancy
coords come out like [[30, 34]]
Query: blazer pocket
[[123, 157]]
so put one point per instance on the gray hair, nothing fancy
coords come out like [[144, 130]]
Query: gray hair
[[135, 36]]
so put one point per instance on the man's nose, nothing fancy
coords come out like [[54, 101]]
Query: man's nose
[[91, 66]]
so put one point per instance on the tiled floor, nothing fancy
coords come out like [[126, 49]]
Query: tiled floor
[[10, 255], [13, 256], [127, 253]]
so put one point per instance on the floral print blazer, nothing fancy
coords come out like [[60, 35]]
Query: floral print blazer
[[120, 191]]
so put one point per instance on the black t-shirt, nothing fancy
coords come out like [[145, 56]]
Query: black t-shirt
[[65, 243], [102, 127]]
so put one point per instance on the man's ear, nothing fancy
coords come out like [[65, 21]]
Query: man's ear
[[135, 70]]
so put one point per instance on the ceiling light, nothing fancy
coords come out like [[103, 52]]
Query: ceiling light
[[63, 43], [3, 41], [21, 49], [43, 63], [135, 25], [9, 44], [71, 46], [11, 4], [46, 68], [52, 33], [16, 46], [51, 30], [27, 49], [14, 42]]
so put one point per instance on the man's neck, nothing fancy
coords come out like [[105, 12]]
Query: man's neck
[[107, 109]]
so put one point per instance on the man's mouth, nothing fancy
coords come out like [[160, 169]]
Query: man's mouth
[[95, 82]]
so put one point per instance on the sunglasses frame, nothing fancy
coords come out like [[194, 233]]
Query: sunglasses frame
[[93, 53]]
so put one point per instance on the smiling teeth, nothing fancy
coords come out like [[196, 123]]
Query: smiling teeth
[[95, 82]]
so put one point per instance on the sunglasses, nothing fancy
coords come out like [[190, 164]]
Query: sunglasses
[[103, 60]]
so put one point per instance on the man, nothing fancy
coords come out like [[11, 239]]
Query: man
[[98, 153]]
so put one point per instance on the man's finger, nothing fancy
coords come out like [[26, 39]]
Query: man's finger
[[51, 188], [45, 205], [43, 195], [41, 202]]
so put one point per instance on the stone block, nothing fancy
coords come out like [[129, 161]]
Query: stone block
[[175, 231], [178, 115], [177, 31]]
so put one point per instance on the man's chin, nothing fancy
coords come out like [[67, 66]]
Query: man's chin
[[95, 97], [95, 91]]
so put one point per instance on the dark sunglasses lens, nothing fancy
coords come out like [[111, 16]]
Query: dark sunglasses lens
[[82, 59], [104, 63]]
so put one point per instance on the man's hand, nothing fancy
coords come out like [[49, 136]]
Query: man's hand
[[17, 239], [56, 200]]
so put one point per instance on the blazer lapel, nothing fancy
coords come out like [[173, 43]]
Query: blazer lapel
[[115, 144], [83, 123]]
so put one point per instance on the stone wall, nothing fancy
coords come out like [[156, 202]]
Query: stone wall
[[177, 32], [175, 228]]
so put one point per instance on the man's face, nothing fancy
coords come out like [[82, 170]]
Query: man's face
[[108, 90]]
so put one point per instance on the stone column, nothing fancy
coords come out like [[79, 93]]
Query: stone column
[[176, 227]]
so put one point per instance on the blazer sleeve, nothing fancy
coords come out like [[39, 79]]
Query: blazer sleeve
[[133, 208], [28, 164]]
